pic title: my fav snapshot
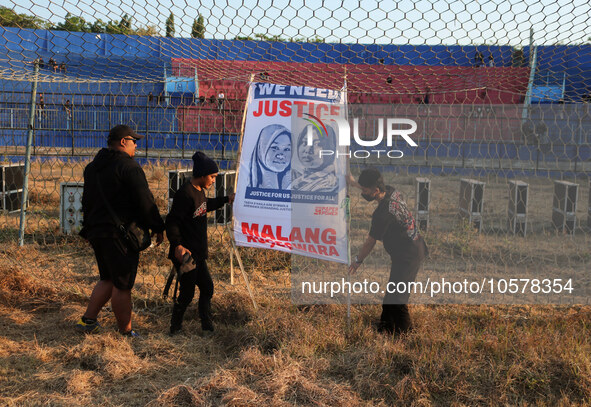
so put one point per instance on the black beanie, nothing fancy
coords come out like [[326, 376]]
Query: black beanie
[[203, 165], [370, 178]]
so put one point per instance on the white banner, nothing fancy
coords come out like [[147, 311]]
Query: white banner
[[291, 193]]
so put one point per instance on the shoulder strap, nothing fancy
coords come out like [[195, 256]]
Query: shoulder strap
[[114, 216]]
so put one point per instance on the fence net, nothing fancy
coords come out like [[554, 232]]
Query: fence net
[[500, 93]]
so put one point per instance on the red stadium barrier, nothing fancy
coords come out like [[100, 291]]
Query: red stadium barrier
[[458, 88]]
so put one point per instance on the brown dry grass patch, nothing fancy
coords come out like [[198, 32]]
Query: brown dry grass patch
[[285, 355]]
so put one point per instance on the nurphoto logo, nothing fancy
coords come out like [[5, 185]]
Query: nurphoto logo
[[394, 127]]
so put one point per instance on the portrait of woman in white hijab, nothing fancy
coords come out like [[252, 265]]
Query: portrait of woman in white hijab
[[271, 159], [312, 171]]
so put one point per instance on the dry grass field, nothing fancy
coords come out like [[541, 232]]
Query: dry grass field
[[283, 354]]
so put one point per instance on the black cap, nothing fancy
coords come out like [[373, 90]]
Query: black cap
[[203, 165], [121, 131]]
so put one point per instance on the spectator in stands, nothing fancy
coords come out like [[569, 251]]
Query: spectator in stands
[[68, 108], [52, 64], [221, 100], [212, 99], [39, 61], [491, 61], [41, 106], [483, 93], [150, 97], [201, 100], [426, 97], [271, 159], [392, 223], [478, 59], [63, 67]]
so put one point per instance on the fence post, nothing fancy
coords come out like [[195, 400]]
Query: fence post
[[183, 117], [147, 125], [72, 129], [21, 231]]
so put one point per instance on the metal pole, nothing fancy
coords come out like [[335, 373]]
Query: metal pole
[[530, 84], [24, 198], [147, 125], [72, 129]]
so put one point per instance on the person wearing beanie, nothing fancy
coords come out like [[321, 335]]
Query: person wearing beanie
[[186, 229], [393, 224]]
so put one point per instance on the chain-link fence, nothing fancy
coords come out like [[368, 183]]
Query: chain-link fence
[[500, 94]]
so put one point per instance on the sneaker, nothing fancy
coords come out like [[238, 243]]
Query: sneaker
[[89, 328], [131, 334], [175, 330], [206, 324], [385, 328]]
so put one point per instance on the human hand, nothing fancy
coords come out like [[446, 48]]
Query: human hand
[[353, 267], [179, 252], [159, 238]]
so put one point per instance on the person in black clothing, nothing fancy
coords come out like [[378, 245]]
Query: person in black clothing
[[426, 97], [479, 59], [68, 108], [52, 64], [124, 186], [393, 224], [41, 106], [186, 228]]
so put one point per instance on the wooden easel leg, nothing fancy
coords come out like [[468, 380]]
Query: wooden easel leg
[[231, 267], [348, 306], [239, 259]]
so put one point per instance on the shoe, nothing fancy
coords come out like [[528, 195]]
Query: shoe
[[89, 328], [206, 324], [205, 315], [385, 328], [131, 334], [175, 332], [176, 321]]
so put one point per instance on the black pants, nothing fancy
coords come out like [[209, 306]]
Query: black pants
[[201, 278], [405, 266]]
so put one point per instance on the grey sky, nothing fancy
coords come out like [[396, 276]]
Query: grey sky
[[405, 22]]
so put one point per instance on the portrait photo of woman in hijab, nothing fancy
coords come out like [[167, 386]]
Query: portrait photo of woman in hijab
[[271, 159], [311, 171]]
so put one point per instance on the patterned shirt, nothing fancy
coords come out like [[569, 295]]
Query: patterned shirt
[[393, 223]]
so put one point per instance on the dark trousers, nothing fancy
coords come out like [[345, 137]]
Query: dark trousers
[[405, 266], [201, 278]]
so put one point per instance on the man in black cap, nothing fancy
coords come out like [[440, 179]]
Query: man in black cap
[[186, 228], [114, 177], [393, 224]]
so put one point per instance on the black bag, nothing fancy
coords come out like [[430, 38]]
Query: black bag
[[135, 237]]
